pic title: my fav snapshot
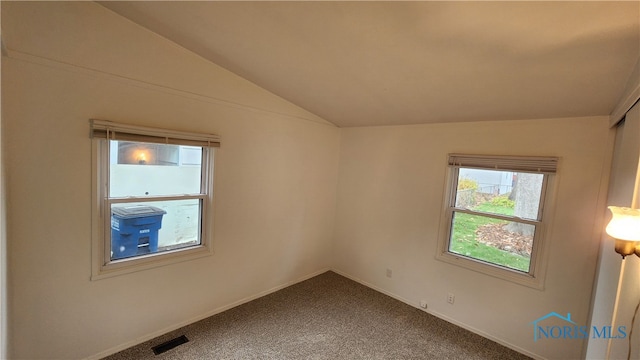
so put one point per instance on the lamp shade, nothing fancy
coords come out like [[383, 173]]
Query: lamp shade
[[625, 224]]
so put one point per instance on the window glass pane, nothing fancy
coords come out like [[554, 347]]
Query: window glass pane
[[154, 226], [146, 153], [499, 242], [190, 155], [144, 169], [500, 192]]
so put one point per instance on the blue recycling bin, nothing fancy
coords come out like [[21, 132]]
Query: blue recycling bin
[[134, 230]]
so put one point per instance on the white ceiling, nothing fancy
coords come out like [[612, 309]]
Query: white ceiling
[[382, 63]]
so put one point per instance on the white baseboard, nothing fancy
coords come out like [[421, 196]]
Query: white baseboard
[[218, 310], [443, 317]]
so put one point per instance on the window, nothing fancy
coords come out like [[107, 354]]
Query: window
[[153, 197], [495, 215]]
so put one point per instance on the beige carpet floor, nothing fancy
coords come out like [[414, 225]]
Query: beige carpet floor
[[325, 317]]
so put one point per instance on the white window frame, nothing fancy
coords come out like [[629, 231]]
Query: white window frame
[[103, 131], [543, 165]]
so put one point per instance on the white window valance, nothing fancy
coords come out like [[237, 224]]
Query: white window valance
[[535, 164], [115, 131]]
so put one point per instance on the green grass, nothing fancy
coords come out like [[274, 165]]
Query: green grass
[[494, 209], [464, 241]]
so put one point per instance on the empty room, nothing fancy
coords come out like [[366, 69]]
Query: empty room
[[320, 180]]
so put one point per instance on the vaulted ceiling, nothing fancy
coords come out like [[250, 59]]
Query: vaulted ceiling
[[383, 63]]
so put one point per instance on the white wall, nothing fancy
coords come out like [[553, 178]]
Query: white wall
[[623, 172], [617, 289], [276, 175], [390, 197]]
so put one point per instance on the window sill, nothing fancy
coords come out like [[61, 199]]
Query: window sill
[[127, 266], [499, 272]]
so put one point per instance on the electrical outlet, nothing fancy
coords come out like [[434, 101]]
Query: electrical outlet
[[389, 273], [451, 298], [423, 304]]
